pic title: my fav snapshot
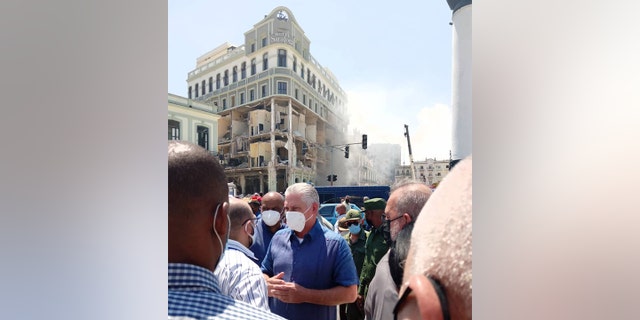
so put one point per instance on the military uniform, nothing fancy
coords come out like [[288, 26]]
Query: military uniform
[[375, 248], [350, 311]]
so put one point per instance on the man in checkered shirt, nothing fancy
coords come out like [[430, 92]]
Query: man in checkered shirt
[[198, 231]]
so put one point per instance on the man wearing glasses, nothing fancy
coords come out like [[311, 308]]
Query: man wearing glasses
[[238, 273], [438, 271], [405, 202]]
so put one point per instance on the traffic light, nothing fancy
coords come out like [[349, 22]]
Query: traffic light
[[329, 178], [364, 141], [335, 177], [332, 177], [346, 152]]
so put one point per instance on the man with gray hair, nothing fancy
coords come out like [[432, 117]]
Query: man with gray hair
[[405, 202], [309, 269], [438, 271]]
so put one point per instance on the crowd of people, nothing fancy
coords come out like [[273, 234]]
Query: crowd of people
[[273, 257]]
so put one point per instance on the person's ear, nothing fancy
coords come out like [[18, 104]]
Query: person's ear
[[221, 221], [407, 217], [426, 298]]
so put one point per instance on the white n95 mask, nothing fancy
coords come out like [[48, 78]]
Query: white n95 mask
[[296, 220], [270, 217]]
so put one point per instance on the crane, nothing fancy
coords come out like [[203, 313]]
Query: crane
[[413, 169]]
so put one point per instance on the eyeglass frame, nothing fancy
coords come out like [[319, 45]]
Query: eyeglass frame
[[440, 292]]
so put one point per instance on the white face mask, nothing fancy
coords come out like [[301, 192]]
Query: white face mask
[[271, 217], [252, 236], [224, 247], [296, 219]]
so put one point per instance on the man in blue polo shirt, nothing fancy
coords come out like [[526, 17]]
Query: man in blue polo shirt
[[309, 269]]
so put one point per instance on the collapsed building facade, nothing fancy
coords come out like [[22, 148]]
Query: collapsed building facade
[[279, 109]]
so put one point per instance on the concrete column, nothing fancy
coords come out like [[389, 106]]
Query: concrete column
[[461, 79], [272, 164]]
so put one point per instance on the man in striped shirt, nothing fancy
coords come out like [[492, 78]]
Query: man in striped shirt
[[198, 230], [238, 273]]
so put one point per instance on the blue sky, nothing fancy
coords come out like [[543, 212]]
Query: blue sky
[[392, 58]]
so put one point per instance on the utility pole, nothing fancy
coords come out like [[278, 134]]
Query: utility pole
[[413, 169]]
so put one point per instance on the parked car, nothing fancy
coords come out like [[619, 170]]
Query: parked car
[[328, 211]]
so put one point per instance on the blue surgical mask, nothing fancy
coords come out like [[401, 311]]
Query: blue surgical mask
[[354, 228]]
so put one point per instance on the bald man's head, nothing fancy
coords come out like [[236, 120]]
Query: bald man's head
[[441, 241]]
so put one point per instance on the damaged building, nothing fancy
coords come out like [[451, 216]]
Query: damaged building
[[279, 108]]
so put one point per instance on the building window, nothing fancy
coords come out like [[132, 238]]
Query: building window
[[264, 41], [265, 61], [197, 90], [264, 90], [296, 94], [235, 74], [224, 104], [282, 88], [308, 76], [252, 95], [210, 84], [241, 97], [304, 99], [226, 77], [253, 47], [233, 101], [253, 66], [310, 102], [217, 81], [302, 70], [243, 70], [204, 83], [295, 62], [203, 137], [190, 92], [174, 130], [282, 58]]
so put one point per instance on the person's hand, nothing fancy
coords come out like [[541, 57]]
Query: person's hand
[[274, 281], [288, 292], [360, 303]]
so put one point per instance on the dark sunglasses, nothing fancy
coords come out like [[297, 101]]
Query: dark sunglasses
[[351, 223], [442, 297]]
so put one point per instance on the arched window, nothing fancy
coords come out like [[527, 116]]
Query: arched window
[[243, 70], [265, 61], [302, 71], [253, 66], [174, 130], [204, 88], [235, 74], [217, 81], [226, 78], [210, 84], [196, 91], [282, 58], [190, 92], [295, 62]]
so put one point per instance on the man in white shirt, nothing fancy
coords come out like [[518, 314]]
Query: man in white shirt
[[238, 274]]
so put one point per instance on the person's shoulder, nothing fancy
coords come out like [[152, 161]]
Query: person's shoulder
[[244, 310]]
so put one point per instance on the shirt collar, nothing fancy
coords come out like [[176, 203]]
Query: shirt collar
[[315, 231], [189, 276], [235, 245]]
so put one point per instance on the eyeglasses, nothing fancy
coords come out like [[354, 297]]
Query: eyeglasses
[[442, 298], [384, 217], [352, 222], [253, 221]]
